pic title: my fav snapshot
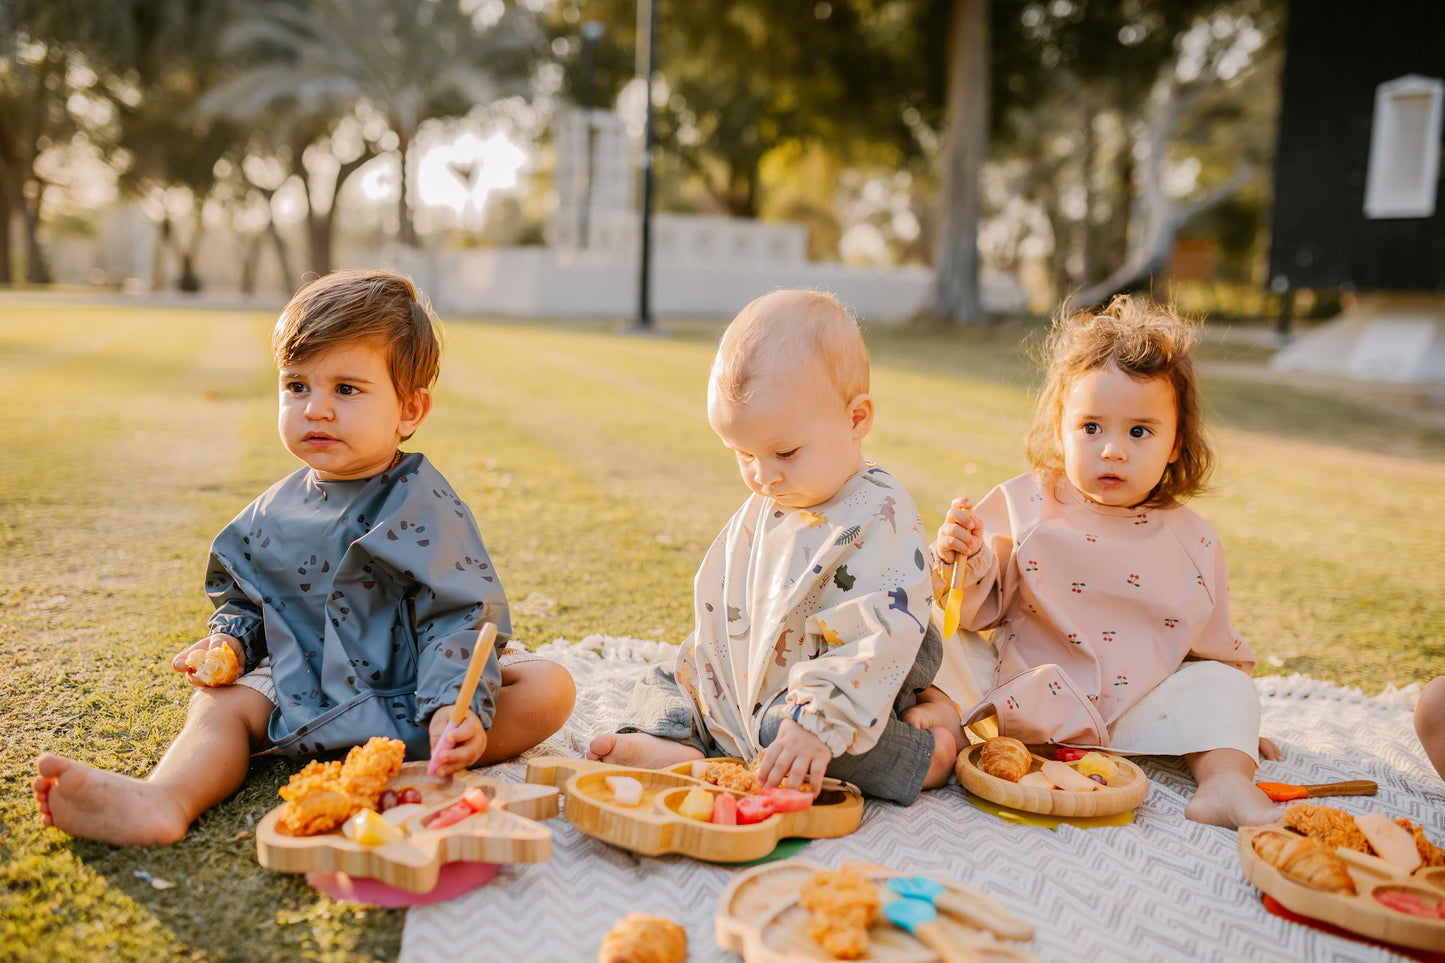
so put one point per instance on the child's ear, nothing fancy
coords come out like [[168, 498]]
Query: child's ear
[[860, 415], [413, 412]]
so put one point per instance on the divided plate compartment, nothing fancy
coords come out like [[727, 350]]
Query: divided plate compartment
[[1361, 913], [506, 833], [761, 919], [654, 826], [1128, 790]]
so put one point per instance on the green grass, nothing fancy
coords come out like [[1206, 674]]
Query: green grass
[[137, 432]]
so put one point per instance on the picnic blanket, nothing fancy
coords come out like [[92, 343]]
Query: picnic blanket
[[1159, 888]]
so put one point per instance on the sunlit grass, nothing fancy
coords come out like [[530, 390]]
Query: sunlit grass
[[137, 432]]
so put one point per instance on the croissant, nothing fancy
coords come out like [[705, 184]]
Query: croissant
[[1005, 757], [1268, 846], [640, 938], [1313, 863]]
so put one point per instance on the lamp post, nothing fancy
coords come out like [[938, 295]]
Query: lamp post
[[591, 34], [646, 65]]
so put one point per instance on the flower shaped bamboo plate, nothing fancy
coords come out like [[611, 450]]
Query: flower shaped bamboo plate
[[505, 833], [761, 919], [1128, 790], [1360, 913], [654, 826]]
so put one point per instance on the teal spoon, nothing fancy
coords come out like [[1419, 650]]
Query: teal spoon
[[921, 919], [974, 909]]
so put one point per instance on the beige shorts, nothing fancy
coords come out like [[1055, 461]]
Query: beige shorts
[[260, 679], [1203, 705]]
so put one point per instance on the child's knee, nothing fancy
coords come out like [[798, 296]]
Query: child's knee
[[1430, 710]]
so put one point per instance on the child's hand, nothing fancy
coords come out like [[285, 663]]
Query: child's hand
[[960, 534], [183, 664], [1269, 750], [469, 741], [797, 756]]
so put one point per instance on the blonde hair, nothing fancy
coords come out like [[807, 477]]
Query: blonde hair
[[782, 331], [375, 307], [1144, 340]]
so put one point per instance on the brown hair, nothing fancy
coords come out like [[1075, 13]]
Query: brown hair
[[785, 330], [377, 307], [1144, 340]]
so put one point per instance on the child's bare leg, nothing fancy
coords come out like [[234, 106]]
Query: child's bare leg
[[1227, 795], [1430, 722], [945, 756], [936, 710], [640, 749], [207, 762], [535, 700]]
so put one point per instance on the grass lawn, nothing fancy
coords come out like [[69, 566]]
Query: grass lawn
[[139, 431]]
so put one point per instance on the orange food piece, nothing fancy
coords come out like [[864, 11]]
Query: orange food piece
[[217, 665]]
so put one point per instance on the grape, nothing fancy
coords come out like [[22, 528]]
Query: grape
[[411, 794], [1097, 778], [387, 800]]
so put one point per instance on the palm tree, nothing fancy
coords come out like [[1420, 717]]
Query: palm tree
[[314, 61]]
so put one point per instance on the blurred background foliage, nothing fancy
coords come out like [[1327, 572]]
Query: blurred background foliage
[[1119, 133]]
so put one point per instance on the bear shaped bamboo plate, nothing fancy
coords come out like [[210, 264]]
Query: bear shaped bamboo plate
[[1127, 790], [1360, 912], [505, 833], [760, 917], [655, 825]]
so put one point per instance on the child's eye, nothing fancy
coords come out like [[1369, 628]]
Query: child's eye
[[1139, 431], [788, 454], [294, 387], [1089, 428], [347, 390]]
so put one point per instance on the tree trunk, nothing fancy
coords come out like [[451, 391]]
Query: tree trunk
[[406, 232], [6, 222], [955, 290], [1089, 253], [321, 225]]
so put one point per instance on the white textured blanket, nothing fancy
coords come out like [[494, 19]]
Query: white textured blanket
[[1160, 888]]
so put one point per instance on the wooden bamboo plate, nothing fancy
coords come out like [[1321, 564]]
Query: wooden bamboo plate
[[505, 833], [654, 826], [759, 918], [1361, 913], [1128, 790]]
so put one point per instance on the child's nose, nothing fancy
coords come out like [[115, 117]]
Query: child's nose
[[766, 473], [1115, 451], [317, 408]]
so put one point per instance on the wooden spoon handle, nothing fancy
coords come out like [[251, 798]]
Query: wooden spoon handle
[[1353, 787], [949, 950], [485, 639]]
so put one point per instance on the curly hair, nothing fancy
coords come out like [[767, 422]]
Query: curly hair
[[1145, 340]]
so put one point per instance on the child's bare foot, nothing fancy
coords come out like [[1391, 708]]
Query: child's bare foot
[[1231, 801], [639, 749], [945, 755], [94, 804]]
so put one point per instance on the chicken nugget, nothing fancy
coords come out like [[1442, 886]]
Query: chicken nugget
[[1333, 827]]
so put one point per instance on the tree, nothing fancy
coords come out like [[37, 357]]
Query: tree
[[313, 63], [955, 285], [51, 51], [751, 79], [1149, 75]]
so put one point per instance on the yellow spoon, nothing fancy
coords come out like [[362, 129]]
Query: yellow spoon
[[954, 608]]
